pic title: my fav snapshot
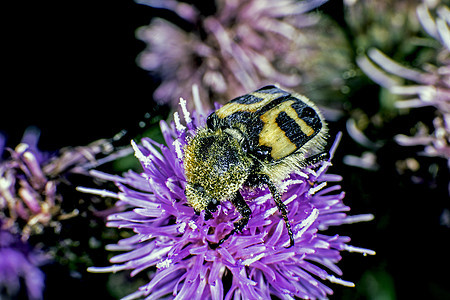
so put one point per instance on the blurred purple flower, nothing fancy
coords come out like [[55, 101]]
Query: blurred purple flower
[[18, 261], [29, 179], [173, 243], [427, 87], [30, 202], [239, 47]]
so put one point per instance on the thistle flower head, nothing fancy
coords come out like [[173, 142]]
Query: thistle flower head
[[240, 46], [27, 197], [173, 243], [31, 205], [29, 179]]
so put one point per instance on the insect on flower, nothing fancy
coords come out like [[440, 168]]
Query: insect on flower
[[254, 140]]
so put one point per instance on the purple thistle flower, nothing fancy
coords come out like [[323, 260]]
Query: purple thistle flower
[[239, 47], [174, 243], [31, 202], [29, 179]]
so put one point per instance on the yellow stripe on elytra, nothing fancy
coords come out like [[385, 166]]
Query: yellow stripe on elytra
[[231, 108], [274, 137]]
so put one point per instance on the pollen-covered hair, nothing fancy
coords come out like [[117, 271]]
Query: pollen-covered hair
[[215, 167]]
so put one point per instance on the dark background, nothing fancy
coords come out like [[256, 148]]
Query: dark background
[[70, 70]]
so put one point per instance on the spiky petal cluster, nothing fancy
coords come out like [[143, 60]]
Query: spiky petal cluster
[[173, 243], [239, 47]]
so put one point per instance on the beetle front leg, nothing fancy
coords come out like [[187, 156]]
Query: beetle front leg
[[245, 212], [212, 207]]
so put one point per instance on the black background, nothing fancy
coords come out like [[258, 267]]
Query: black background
[[70, 70]]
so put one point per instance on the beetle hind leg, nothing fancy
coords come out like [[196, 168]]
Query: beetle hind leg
[[314, 159]]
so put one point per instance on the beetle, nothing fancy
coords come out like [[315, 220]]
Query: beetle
[[254, 140]]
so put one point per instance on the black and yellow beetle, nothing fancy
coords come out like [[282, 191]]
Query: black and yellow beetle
[[254, 140]]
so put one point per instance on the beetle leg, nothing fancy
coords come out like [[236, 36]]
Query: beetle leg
[[245, 211], [282, 208], [260, 179], [212, 207], [314, 159]]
